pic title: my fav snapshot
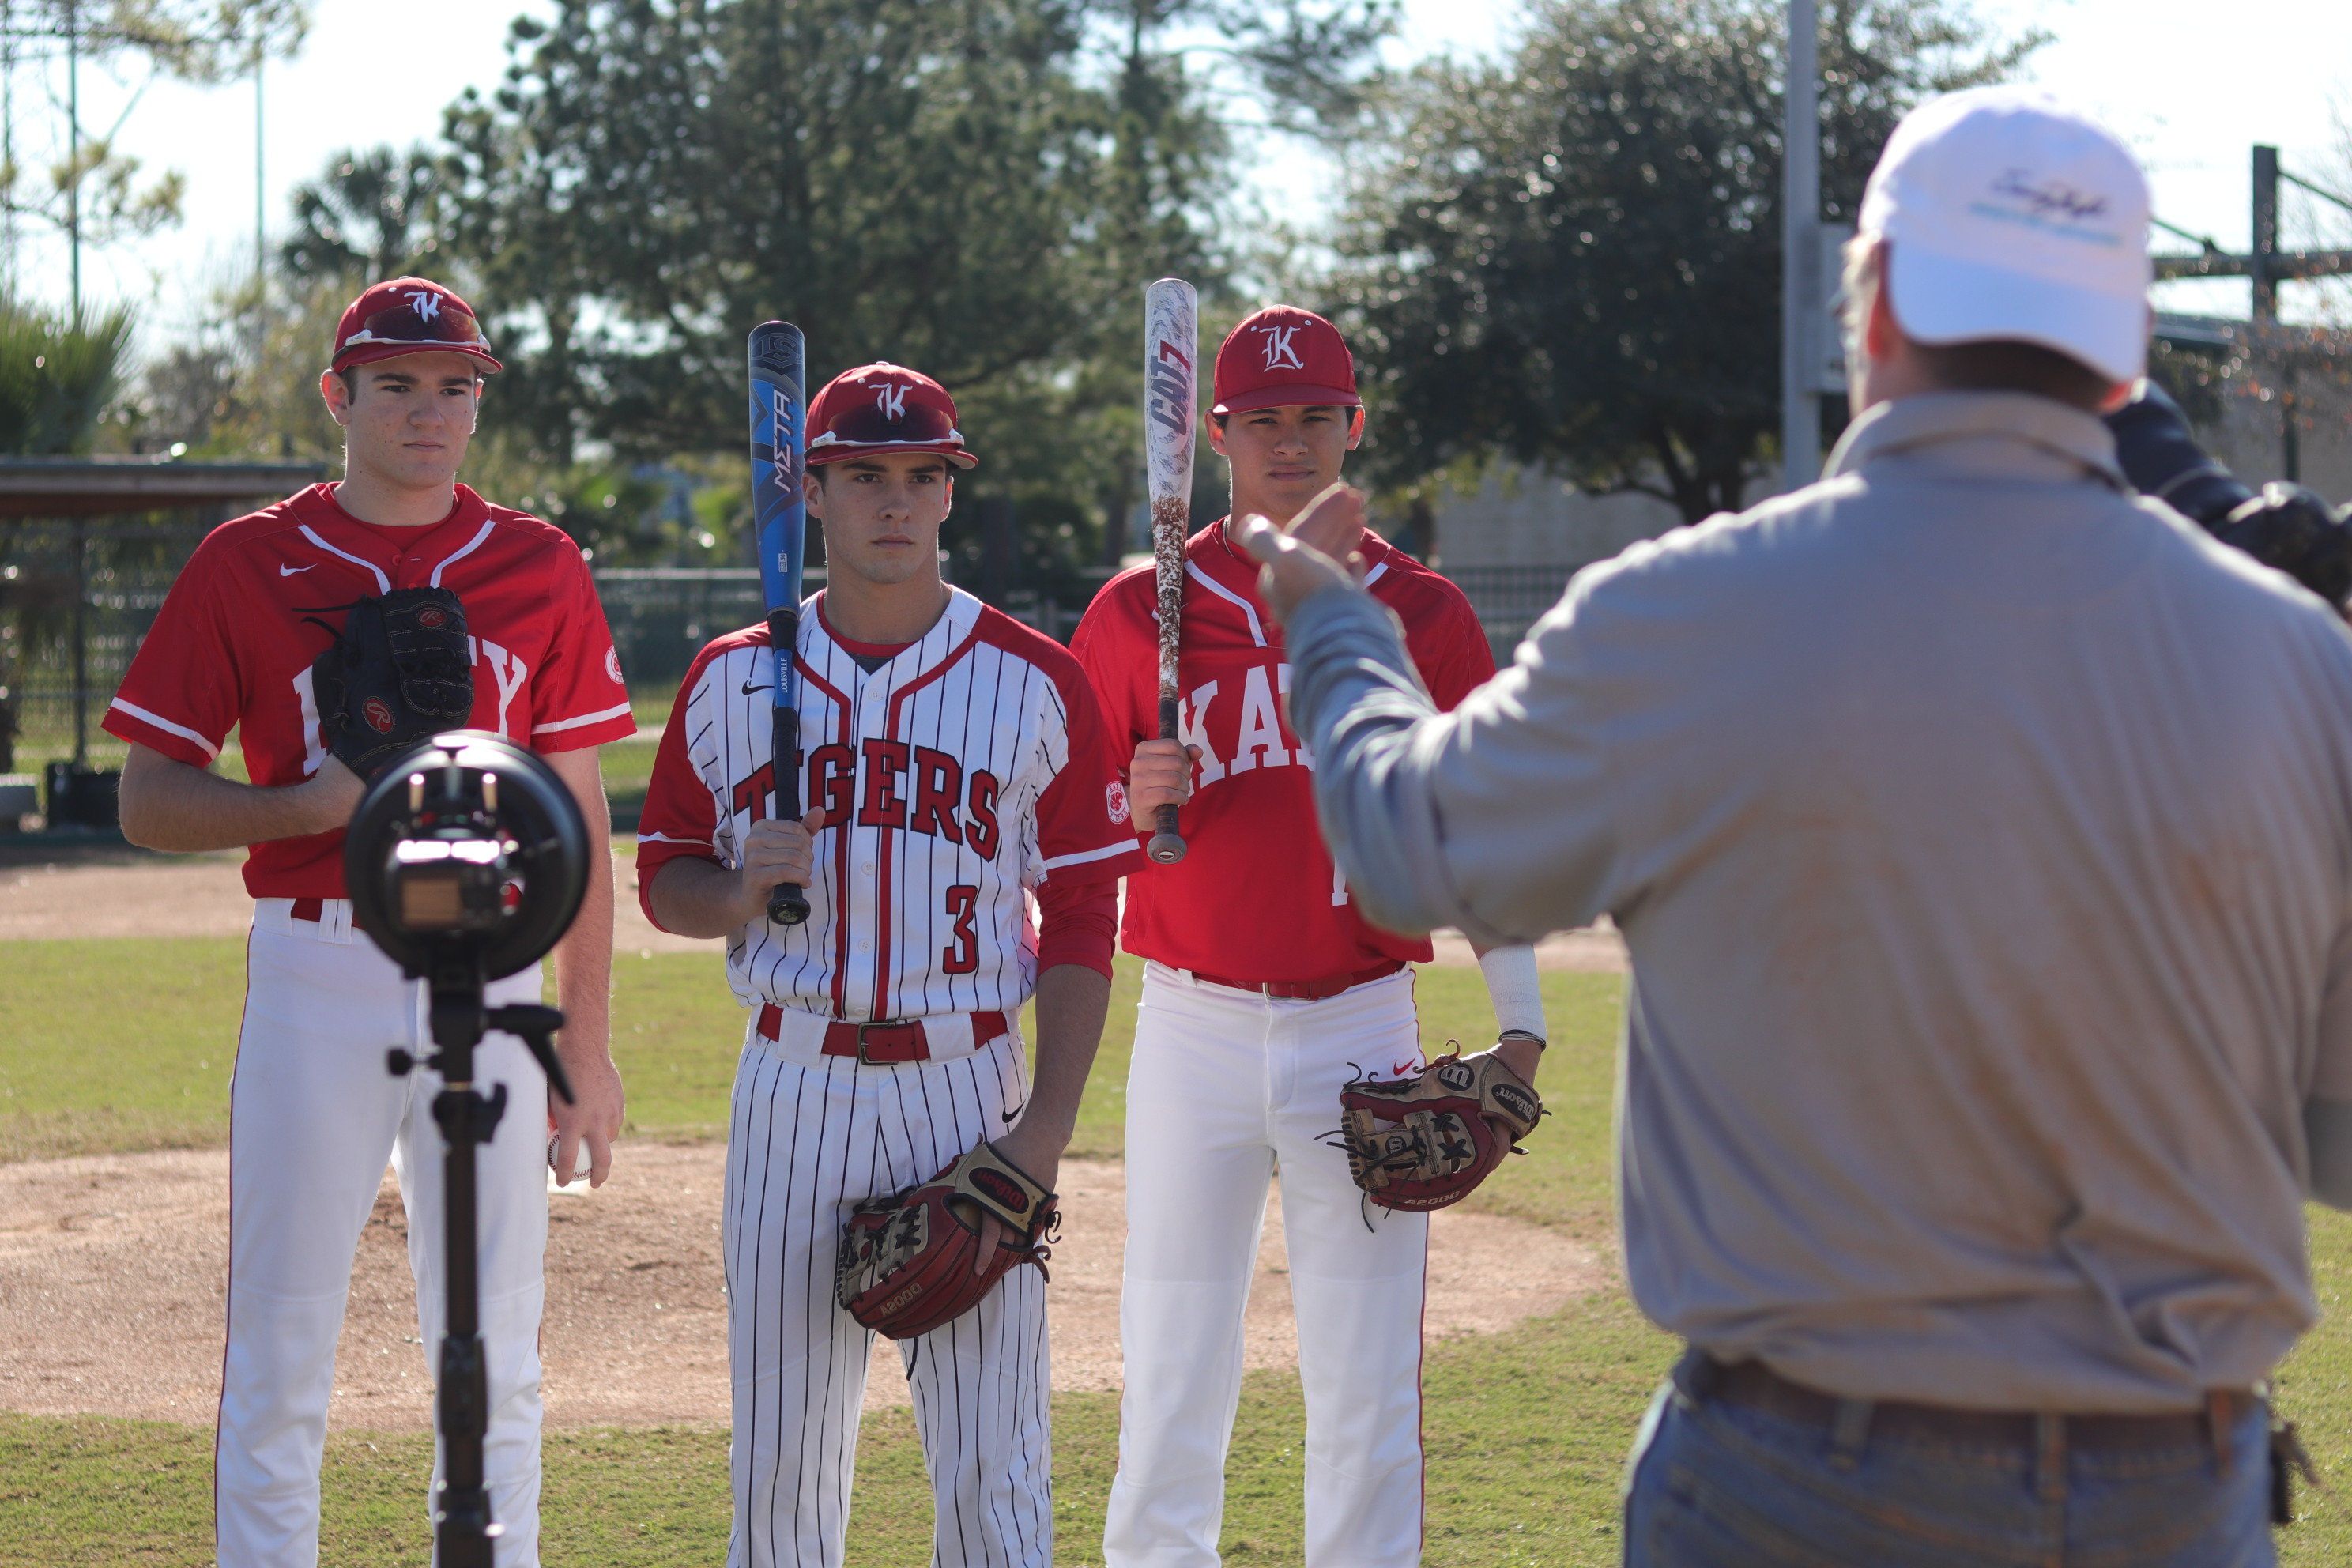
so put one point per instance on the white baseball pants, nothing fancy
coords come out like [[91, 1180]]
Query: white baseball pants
[[313, 1116], [1227, 1088], [810, 1136]]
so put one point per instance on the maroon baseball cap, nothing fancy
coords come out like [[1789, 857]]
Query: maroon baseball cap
[[884, 408], [408, 316], [1280, 356]]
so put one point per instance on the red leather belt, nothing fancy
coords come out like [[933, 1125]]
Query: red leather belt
[[1305, 989], [311, 909], [883, 1041]]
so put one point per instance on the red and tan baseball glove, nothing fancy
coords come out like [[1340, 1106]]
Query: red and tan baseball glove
[[907, 1261], [1428, 1138]]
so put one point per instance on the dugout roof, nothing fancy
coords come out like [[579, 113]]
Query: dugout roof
[[49, 487]]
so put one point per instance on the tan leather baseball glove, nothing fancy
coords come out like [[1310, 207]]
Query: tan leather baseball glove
[[908, 1262], [1428, 1138]]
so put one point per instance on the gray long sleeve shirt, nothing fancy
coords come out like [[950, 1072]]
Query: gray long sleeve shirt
[[1982, 839]]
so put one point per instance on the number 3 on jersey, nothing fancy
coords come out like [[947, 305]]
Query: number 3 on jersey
[[962, 956]]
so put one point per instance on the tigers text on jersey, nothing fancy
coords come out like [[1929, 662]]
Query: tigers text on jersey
[[971, 766], [233, 645], [1256, 896]]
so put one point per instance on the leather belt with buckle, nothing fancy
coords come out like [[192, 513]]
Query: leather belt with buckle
[[1315, 989], [884, 1042]]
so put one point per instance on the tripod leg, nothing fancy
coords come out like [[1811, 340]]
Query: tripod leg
[[464, 1533]]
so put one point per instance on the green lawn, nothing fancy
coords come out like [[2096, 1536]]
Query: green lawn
[[1527, 1431]]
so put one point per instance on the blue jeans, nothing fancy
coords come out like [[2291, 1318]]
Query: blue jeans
[[1718, 1485]]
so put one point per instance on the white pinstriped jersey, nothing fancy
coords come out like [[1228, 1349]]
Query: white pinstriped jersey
[[971, 768]]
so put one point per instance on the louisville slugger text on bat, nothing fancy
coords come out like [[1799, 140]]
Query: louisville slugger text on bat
[[1171, 347], [779, 526]]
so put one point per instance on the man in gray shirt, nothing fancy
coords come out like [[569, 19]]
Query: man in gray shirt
[[1982, 837]]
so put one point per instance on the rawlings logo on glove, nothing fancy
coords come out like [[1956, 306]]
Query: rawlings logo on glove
[[1428, 1138], [911, 1262], [399, 672]]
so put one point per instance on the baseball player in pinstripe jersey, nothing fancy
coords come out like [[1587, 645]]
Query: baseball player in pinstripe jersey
[[955, 765]]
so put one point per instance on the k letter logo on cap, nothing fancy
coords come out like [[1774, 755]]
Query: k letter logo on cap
[[1279, 353]]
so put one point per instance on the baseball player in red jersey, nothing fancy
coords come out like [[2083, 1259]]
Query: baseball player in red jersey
[[1266, 992], [313, 1113], [956, 765]]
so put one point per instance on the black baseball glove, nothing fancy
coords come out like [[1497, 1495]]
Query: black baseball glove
[[399, 672], [2285, 527], [2294, 529]]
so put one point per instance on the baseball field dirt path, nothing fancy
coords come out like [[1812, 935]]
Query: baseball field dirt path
[[117, 892], [113, 1268]]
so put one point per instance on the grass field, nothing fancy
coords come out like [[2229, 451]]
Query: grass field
[[1527, 1431]]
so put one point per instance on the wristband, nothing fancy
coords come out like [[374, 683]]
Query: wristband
[[1511, 984]]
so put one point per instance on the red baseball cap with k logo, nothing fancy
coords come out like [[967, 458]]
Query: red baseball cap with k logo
[[883, 407], [408, 316], [1280, 356]]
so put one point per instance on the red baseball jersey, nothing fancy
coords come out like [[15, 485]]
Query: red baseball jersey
[[971, 768], [1256, 896], [233, 645]]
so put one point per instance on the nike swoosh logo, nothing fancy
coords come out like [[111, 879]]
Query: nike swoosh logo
[[289, 571]]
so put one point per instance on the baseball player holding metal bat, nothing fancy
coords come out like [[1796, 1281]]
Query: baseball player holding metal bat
[[779, 528], [313, 1114], [956, 763], [1265, 993], [1171, 348]]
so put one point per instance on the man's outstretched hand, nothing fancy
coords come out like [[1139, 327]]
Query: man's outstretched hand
[[1308, 558]]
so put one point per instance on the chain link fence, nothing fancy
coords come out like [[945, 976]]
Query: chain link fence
[[76, 601], [1510, 599]]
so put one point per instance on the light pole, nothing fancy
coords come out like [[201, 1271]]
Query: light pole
[[261, 188], [73, 147], [1800, 212]]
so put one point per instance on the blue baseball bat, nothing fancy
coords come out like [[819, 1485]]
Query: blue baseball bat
[[780, 524]]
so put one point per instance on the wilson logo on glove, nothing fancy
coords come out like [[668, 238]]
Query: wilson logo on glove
[[1003, 1188]]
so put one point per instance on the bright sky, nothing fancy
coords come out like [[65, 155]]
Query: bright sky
[[2190, 84]]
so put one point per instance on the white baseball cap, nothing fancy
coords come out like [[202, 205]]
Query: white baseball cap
[[2012, 216]]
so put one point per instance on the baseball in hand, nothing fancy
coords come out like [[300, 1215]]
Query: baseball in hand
[[579, 1156]]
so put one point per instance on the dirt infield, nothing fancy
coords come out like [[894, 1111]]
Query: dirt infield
[[114, 1269], [103, 892]]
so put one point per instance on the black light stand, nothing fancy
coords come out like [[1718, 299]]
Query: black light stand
[[466, 860], [463, 1531]]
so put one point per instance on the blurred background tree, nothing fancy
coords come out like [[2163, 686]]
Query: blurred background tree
[[87, 191], [57, 376], [1570, 256], [1537, 252]]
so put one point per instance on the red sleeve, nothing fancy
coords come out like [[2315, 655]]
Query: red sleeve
[[1454, 657], [185, 690], [1084, 831], [680, 816], [579, 699], [1076, 923], [1110, 660]]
